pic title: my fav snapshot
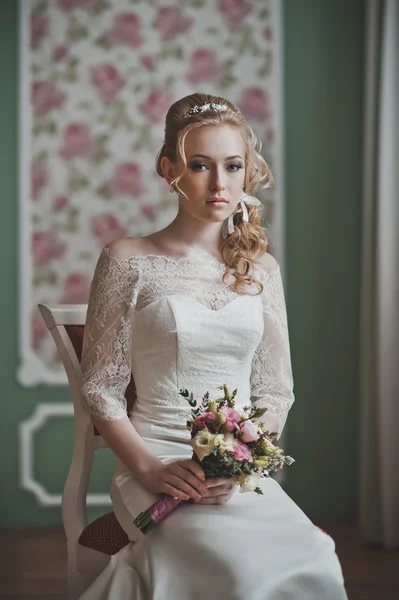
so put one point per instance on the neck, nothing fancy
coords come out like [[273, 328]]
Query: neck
[[193, 235]]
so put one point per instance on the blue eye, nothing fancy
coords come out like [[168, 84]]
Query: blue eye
[[197, 166], [233, 168]]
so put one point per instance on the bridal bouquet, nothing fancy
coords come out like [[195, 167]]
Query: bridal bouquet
[[226, 443]]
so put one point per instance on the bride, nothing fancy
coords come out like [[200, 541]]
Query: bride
[[194, 306]]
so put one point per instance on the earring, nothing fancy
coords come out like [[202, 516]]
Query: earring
[[171, 189]]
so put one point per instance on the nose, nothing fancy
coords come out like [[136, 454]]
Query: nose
[[217, 183]]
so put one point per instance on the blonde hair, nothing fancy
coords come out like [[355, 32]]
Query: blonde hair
[[248, 241]]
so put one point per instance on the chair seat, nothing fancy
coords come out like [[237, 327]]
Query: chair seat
[[104, 535]]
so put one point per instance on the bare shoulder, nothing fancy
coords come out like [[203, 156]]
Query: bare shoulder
[[127, 247], [267, 263]]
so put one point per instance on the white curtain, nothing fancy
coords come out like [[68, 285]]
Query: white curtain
[[379, 327]]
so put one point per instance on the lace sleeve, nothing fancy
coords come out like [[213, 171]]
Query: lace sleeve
[[271, 377], [106, 356]]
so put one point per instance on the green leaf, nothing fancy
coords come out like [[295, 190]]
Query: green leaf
[[76, 31], [99, 7], [103, 42]]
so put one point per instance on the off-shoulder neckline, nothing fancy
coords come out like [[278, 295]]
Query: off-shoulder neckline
[[177, 260]]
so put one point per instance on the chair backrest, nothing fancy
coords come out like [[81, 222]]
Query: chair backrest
[[66, 325]]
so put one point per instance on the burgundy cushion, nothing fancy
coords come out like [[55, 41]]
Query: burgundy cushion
[[104, 535], [75, 334]]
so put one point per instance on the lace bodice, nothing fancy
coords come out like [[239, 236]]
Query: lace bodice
[[174, 324]]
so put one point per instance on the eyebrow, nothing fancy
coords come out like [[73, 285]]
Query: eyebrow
[[209, 158]]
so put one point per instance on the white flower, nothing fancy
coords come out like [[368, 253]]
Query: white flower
[[248, 483], [225, 442], [203, 443]]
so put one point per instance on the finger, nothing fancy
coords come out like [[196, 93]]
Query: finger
[[181, 485], [172, 491], [216, 481], [214, 499], [219, 490], [191, 479], [192, 466]]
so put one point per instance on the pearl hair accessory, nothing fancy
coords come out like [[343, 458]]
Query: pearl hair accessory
[[210, 106], [245, 199]]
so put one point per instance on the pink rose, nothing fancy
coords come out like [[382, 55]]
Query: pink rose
[[38, 30], [235, 11], [45, 96], [232, 416], [149, 212], [204, 65], [242, 452], [268, 33], [171, 20], [46, 246], [108, 82], [255, 103], [249, 431], [77, 141], [59, 52], [127, 180], [76, 289], [148, 61], [156, 105], [107, 228], [204, 419], [39, 178], [68, 5], [60, 202], [38, 331], [126, 30]]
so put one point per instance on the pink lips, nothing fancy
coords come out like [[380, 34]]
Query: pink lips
[[217, 200]]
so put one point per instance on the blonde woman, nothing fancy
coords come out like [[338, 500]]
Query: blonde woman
[[196, 305]]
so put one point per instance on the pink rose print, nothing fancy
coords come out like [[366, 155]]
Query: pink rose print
[[59, 52], [46, 246], [249, 431], [77, 141], [149, 212], [60, 202], [68, 5], [76, 289], [255, 103], [232, 416], [126, 30], [242, 452], [268, 33], [38, 332], [108, 82], [127, 180], [107, 228], [38, 30], [170, 20], [156, 105], [204, 419], [234, 11], [39, 178], [204, 65], [148, 61], [45, 96]]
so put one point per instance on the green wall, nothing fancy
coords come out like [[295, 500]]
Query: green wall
[[323, 112]]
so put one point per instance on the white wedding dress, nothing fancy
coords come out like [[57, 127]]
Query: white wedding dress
[[174, 324]]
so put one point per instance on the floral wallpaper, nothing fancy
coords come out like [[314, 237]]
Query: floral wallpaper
[[102, 74]]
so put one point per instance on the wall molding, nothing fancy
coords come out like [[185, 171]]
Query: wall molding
[[27, 431]]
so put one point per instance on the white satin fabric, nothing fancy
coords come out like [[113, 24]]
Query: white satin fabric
[[175, 325]]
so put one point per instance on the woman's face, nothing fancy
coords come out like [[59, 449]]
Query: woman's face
[[214, 179]]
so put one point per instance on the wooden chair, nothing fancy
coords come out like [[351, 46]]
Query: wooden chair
[[89, 547]]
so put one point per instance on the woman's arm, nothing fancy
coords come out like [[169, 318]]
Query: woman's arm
[[271, 378], [106, 372]]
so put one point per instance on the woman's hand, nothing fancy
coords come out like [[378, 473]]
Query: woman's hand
[[219, 491], [183, 479]]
